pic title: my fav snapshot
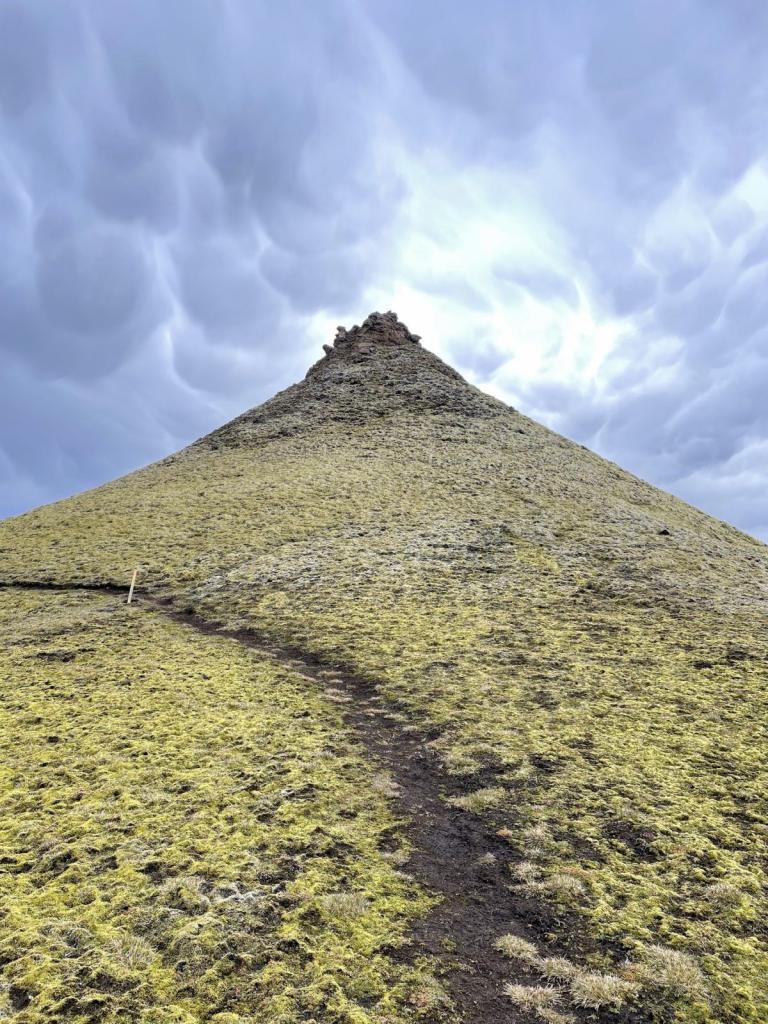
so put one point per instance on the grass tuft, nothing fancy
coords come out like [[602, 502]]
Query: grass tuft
[[560, 885], [532, 997], [382, 782], [131, 952], [486, 860], [526, 871], [549, 1015], [723, 896], [595, 991], [557, 968], [344, 904], [516, 947], [480, 799], [671, 971], [537, 835]]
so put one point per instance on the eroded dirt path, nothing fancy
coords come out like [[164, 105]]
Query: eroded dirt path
[[451, 847], [456, 855]]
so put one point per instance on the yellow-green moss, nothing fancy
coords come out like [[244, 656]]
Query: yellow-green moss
[[601, 643], [175, 814]]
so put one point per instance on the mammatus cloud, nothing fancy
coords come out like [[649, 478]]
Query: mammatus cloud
[[568, 200]]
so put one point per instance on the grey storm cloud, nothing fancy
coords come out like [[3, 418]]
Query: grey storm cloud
[[573, 194]]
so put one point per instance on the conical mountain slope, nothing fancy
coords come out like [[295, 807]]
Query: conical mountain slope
[[584, 656]]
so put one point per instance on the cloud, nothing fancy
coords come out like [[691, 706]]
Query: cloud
[[24, 58], [222, 290], [568, 200], [73, 290]]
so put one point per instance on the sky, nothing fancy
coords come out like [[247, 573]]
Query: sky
[[567, 200]]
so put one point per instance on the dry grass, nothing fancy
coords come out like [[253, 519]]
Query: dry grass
[[516, 947], [537, 835], [559, 885], [384, 784], [429, 997], [671, 971], [557, 968], [397, 857], [549, 1015], [344, 904], [480, 799], [723, 896], [131, 952], [532, 997], [486, 860], [596, 991], [526, 871]]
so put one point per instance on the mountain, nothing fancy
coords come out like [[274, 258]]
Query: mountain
[[423, 712]]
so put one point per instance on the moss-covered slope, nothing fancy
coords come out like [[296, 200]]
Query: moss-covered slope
[[186, 833], [597, 645]]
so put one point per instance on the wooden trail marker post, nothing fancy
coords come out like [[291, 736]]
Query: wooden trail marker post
[[133, 584]]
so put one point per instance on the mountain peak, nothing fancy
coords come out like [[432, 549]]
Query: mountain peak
[[371, 370], [377, 329]]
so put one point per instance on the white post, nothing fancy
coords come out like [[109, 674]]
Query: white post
[[133, 584]]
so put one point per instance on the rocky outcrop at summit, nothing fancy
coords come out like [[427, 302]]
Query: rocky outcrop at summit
[[377, 329], [372, 370]]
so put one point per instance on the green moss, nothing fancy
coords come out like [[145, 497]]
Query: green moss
[[176, 812], [518, 597]]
